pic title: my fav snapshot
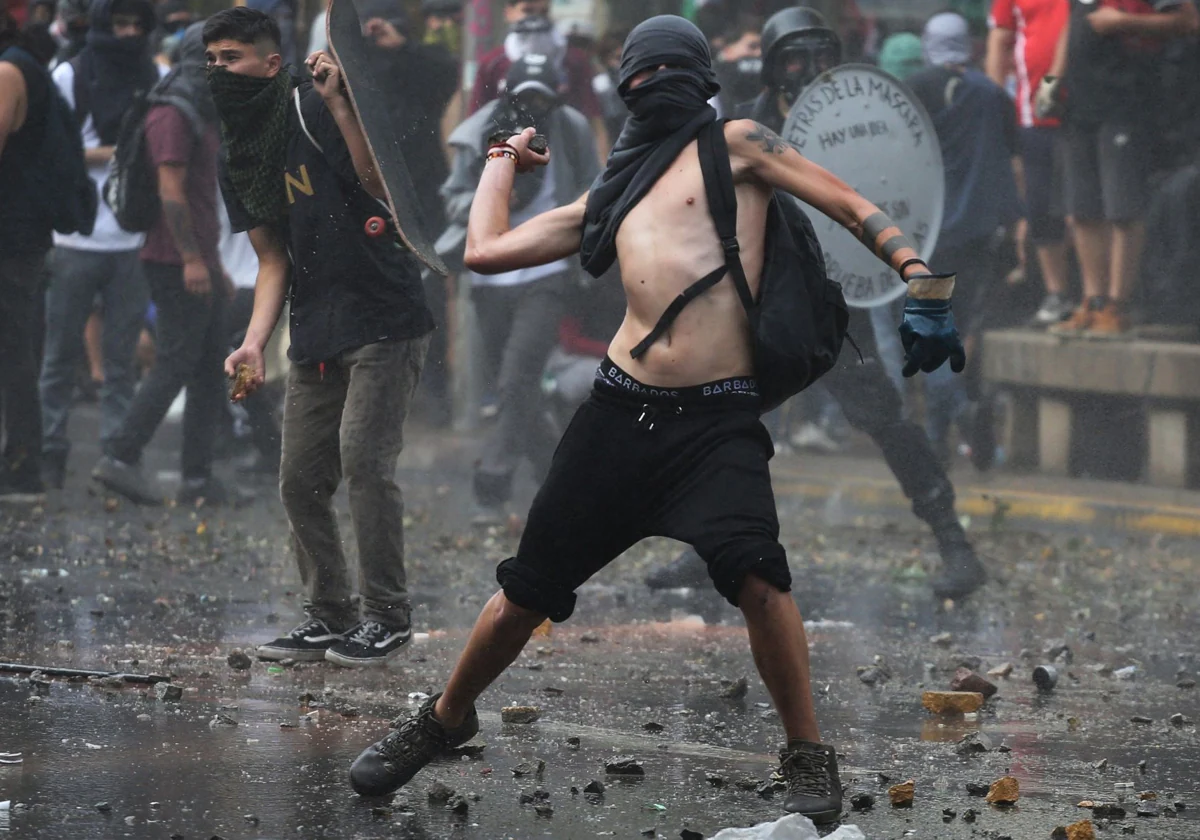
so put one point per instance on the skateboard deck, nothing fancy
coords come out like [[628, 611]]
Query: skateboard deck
[[349, 48]]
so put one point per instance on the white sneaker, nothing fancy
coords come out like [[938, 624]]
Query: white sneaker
[[813, 437], [1052, 310]]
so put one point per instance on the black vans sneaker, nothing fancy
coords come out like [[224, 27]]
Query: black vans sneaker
[[391, 763], [370, 643], [307, 643], [814, 787]]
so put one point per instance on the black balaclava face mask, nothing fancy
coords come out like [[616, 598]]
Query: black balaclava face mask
[[117, 67]]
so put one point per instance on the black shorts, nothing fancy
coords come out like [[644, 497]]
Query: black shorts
[[690, 464], [1108, 169], [1042, 156]]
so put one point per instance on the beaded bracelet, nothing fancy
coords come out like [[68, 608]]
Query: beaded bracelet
[[502, 152]]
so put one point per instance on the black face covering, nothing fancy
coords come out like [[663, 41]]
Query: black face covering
[[666, 112], [115, 68]]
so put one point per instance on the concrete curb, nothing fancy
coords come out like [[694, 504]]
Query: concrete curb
[[987, 504]]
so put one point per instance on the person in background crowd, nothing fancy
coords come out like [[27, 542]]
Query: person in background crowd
[[40, 12], [901, 55], [25, 239], [604, 83], [424, 81], [39, 42], [797, 46], [738, 63], [519, 311], [1023, 38], [443, 24], [977, 129], [174, 16], [1111, 57], [296, 172], [71, 28], [100, 84], [576, 66], [190, 290]]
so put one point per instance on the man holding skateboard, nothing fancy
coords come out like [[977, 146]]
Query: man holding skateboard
[[670, 442], [298, 174]]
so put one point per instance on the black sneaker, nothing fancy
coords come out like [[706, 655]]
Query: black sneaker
[[687, 571], [813, 785], [307, 643], [370, 643], [128, 480], [391, 763], [23, 487], [961, 572]]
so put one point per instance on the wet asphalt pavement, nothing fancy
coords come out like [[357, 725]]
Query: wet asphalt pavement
[[262, 753]]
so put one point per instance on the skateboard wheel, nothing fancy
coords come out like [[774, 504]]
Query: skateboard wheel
[[375, 226]]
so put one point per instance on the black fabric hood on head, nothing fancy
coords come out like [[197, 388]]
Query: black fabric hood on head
[[115, 68], [667, 111], [186, 86]]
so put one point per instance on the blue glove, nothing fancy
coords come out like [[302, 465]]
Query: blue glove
[[927, 331]]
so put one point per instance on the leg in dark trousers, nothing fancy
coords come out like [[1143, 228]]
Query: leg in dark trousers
[[190, 344], [22, 279], [532, 334]]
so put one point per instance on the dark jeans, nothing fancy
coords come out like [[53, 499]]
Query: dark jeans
[[345, 419], [190, 350], [22, 279], [872, 404], [520, 328], [77, 277], [264, 427]]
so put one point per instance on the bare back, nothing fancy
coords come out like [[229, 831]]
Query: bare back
[[665, 244]]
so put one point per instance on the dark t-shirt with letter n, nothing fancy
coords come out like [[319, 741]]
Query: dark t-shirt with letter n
[[1112, 77], [348, 290]]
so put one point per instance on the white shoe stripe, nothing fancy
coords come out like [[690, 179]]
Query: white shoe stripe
[[390, 639], [316, 640]]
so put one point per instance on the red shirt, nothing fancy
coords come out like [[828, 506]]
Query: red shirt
[[171, 139], [580, 96], [1038, 24]]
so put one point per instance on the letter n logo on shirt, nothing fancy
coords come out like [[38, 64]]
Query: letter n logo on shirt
[[303, 183]]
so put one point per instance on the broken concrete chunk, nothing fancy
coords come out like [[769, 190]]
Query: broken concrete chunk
[[458, 805], [715, 780], [1081, 830], [520, 714], [873, 675], [1108, 810], [966, 680], [1147, 808], [1140, 719], [969, 815], [168, 692], [901, 795], [573, 742], [439, 794], [239, 661], [652, 726], [1001, 670], [977, 789], [544, 810], [952, 702], [624, 765], [974, 743], [595, 787], [736, 690], [688, 834], [1127, 673], [1004, 791], [943, 639], [1179, 719], [103, 807], [862, 802]]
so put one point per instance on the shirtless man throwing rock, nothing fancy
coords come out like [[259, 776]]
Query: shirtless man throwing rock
[[668, 444]]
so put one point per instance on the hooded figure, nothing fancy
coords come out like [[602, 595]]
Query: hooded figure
[[186, 86], [666, 111], [111, 69], [947, 40], [902, 55], [71, 28]]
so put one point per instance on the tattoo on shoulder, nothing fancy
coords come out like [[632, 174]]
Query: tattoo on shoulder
[[771, 142]]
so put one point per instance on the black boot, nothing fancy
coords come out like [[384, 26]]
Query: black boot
[[961, 572], [687, 571], [814, 787]]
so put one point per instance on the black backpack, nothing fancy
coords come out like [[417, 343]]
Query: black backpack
[[131, 190], [800, 317], [65, 194]]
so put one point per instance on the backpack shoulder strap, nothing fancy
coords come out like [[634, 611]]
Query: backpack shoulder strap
[[722, 206], [303, 124]]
